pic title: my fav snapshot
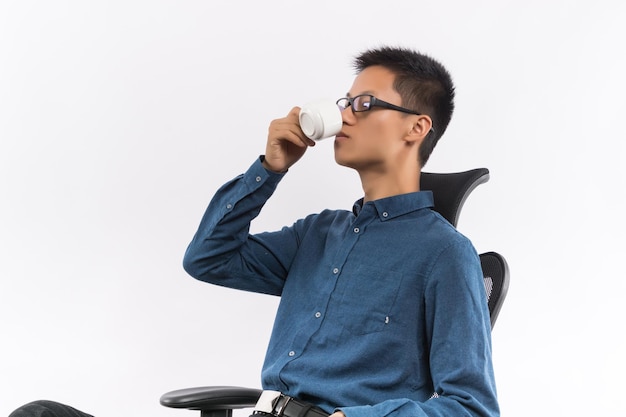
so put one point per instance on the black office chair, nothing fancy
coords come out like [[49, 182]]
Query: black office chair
[[450, 191]]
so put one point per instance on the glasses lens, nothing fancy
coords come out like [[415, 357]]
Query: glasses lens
[[343, 103], [361, 103]]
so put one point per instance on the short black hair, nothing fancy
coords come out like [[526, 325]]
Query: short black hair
[[423, 83]]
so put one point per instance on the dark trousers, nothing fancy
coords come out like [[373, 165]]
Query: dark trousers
[[45, 408]]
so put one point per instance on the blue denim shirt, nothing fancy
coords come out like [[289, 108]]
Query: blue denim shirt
[[381, 306]]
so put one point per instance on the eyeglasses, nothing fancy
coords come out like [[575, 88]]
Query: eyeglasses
[[365, 102]]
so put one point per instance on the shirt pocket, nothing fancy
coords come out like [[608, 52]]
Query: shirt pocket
[[369, 295]]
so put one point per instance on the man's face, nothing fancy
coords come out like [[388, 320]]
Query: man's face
[[372, 139]]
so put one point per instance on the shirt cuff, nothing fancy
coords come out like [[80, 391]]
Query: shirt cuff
[[257, 175]]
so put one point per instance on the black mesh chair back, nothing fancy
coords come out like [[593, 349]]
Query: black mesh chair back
[[496, 277]]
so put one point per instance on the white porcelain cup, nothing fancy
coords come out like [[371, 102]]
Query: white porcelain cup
[[320, 119]]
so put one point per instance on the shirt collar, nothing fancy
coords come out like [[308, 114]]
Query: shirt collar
[[397, 205]]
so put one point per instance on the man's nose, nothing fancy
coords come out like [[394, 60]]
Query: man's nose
[[347, 115]]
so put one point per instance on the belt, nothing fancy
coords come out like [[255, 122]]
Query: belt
[[276, 404]]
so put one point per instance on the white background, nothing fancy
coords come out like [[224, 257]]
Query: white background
[[119, 119]]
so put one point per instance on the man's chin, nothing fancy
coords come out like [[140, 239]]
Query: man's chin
[[342, 162]]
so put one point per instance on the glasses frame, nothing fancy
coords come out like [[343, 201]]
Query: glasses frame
[[374, 102]]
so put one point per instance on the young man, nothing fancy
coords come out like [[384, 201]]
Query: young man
[[383, 310]]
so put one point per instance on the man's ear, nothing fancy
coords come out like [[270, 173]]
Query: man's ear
[[419, 129]]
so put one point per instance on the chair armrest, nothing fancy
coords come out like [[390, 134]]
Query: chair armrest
[[212, 398]]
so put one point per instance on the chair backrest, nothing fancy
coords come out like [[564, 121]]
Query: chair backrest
[[450, 190], [496, 278]]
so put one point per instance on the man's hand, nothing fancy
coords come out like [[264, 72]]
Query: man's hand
[[338, 414], [286, 143]]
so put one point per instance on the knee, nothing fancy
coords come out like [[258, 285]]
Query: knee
[[40, 408]]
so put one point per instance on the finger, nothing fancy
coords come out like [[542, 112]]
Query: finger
[[295, 111], [283, 129]]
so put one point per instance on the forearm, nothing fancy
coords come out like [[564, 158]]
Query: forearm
[[434, 407]]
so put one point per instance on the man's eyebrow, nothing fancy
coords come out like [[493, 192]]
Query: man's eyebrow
[[367, 92]]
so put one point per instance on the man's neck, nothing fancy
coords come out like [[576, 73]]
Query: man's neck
[[377, 184]]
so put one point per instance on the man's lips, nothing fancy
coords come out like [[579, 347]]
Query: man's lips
[[341, 135]]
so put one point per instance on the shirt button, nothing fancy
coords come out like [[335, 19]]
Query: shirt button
[[318, 314], [229, 206], [335, 271], [385, 214], [258, 179], [292, 353], [356, 230]]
